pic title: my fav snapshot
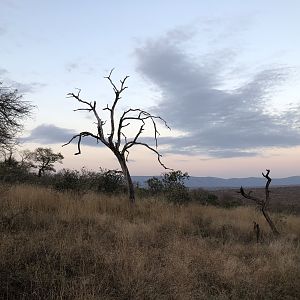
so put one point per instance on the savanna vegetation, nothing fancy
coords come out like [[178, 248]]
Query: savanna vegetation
[[74, 235], [63, 245]]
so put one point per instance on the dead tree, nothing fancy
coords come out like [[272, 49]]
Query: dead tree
[[256, 230], [262, 203], [116, 140]]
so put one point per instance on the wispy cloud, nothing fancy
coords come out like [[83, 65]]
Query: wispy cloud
[[23, 88], [3, 71], [217, 121], [71, 66], [79, 66]]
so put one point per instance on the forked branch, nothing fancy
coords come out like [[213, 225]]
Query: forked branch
[[80, 136], [262, 203]]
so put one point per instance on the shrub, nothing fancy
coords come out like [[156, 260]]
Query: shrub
[[155, 185], [12, 171], [111, 181], [171, 186], [229, 201], [105, 181], [67, 180], [203, 197]]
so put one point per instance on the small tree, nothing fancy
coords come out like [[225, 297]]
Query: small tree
[[263, 203], [13, 109], [116, 140], [44, 159], [174, 186], [171, 185], [155, 185], [175, 178]]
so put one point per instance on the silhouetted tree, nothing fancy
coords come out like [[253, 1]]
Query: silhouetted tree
[[116, 140], [13, 110], [43, 159], [262, 203]]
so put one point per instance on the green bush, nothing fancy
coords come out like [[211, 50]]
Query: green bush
[[67, 180], [12, 171], [171, 186], [104, 181], [111, 182], [155, 185]]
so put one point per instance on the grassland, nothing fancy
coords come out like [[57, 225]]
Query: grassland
[[63, 246], [283, 199]]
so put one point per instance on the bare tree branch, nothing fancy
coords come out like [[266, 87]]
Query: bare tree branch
[[267, 192], [262, 203], [141, 116], [113, 141], [118, 92], [92, 108], [80, 136], [153, 150], [248, 196]]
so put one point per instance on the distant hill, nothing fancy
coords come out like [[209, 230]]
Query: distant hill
[[216, 182]]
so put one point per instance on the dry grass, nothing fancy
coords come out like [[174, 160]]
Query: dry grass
[[283, 199], [61, 246]]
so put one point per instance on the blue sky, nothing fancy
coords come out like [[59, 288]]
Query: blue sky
[[224, 74]]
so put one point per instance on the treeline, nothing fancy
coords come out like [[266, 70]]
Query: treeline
[[30, 170], [37, 167]]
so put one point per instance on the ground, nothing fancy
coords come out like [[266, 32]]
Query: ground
[[67, 246]]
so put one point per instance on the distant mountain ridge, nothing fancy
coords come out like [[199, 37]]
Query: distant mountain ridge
[[216, 182]]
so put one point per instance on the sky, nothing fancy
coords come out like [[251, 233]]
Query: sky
[[225, 75]]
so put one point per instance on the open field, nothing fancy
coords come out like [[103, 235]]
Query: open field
[[283, 199], [63, 246]]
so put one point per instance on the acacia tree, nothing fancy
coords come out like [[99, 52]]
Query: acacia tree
[[116, 140], [13, 110], [43, 159]]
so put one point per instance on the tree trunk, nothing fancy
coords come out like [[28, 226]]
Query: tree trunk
[[127, 176], [270, 222]]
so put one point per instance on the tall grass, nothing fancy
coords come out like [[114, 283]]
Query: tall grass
[[64, 246]]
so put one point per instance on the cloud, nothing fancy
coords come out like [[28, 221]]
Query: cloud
[[50, 134], [217, 121], [71, 66], [22, 88], [79, 66], [3, 71]]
